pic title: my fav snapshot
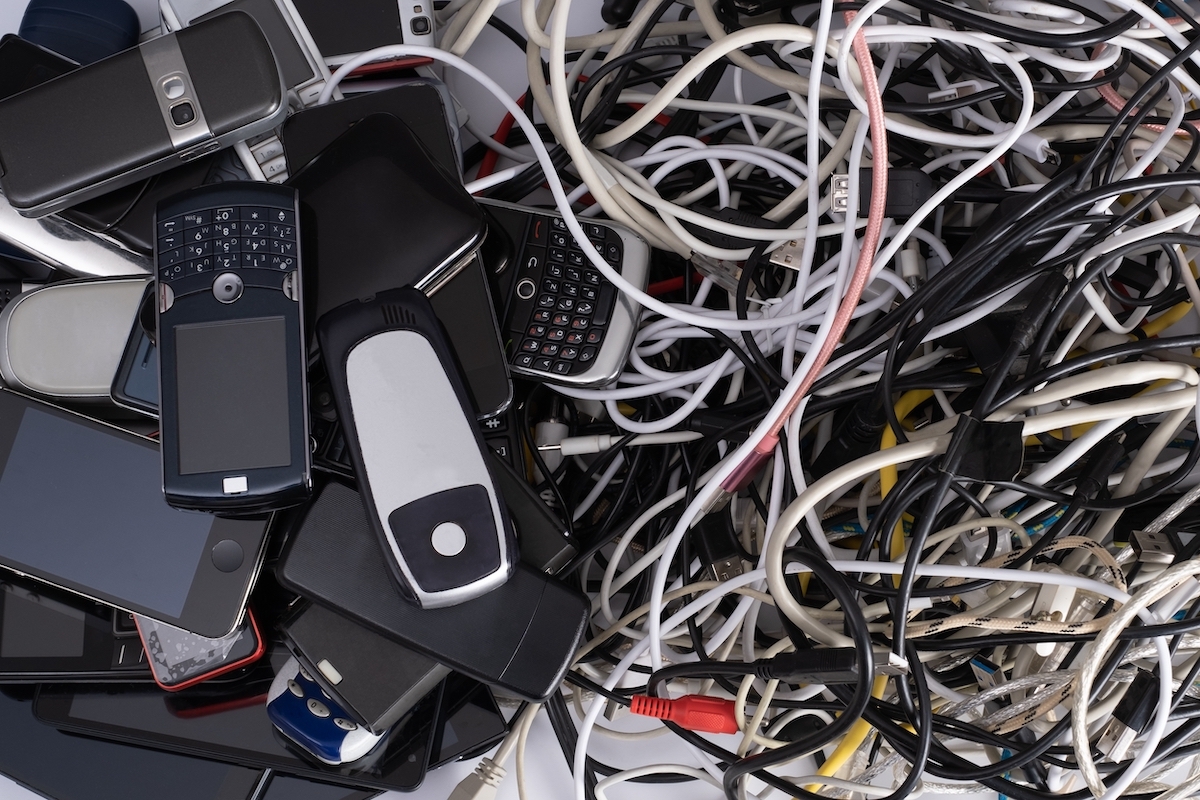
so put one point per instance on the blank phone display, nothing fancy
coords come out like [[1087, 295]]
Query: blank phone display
[[233, 395], [37, 627], [88, 507]]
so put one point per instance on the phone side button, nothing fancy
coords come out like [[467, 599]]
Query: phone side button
[[202, 149], [128, 654], [227, 555]]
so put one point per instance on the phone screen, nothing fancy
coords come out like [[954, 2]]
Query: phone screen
[[86, 506], [233, 395], [68, 767]]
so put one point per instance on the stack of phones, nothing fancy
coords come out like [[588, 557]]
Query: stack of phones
[[263, 504]]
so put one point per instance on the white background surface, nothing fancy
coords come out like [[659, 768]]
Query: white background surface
[[548, 773]]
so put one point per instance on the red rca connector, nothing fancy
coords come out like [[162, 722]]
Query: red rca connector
[[695, 712]]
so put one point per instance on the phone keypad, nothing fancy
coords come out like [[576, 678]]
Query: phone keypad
[[563, 304], [226, 238]]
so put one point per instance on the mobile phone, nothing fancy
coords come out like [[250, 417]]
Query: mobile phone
[[349, 27], [313, 720], [60, 766], [138, 113], [300, 61], [464, 303], [520, 637], [135, 384], [64, 341], [564, 322], [232, 379], [374, 192], [179, 659], [403, 406], [420, 103], [344, 659], [24, 65], [84, 510], [238, 733], [46, 635]]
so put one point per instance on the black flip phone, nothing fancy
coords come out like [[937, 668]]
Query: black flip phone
[[138, 113], [232, 378]]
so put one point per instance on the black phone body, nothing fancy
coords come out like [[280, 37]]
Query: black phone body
[[137, 113], [24, 65], [46, 635], [135, 385], [370, 134], [239, 732], [419, 103], [84, 511], [349, 27], [59, 766], [231, 343], [520, 636]]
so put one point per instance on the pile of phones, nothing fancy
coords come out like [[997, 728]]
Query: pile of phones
[[268, 505]]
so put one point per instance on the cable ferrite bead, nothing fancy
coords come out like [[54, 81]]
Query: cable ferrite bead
[[694, 712]]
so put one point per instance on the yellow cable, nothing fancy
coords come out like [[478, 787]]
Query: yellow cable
[[1168, 318], [888, 477], [852, 741]]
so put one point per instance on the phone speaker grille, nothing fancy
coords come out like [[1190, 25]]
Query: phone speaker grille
[[398, 316]]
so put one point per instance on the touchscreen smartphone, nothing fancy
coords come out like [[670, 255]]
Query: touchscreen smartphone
[[237, 731], [59, 766], [54, 636], [84, 510]]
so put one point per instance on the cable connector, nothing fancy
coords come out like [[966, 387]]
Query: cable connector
[[694, 712], [1152, 548], [1130, 717], [788, 254], [717, 547], [725, 274], [748, 470], [839, 193], [912, 265], [826, 665], [480, 784]]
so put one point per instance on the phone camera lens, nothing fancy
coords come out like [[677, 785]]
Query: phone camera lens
[[182, 113], [420, 26]]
